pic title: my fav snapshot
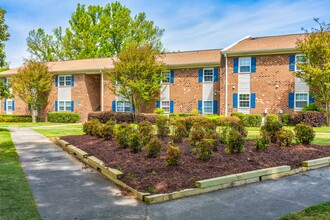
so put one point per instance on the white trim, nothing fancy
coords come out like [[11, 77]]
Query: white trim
[[212, 69], [102, 91], [9, 112], [203, 107], [64, 80], [226, 89], [233, 44], [299, 108], [239, 66], [124, 102], [169, 105], [58, 105], [238, 100], [169, 78], [296, 61]]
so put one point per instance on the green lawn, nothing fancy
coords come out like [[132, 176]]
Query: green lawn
[[70, 129], [325, 129], [26, 124], [317, 212], [16, 200]]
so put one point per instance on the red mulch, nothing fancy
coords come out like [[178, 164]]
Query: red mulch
[[141, 172]]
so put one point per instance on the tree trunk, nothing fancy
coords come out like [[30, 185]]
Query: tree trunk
[[34, 115], [327, 109]]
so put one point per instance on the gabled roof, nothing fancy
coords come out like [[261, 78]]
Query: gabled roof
[[198, 58], [264, 45]]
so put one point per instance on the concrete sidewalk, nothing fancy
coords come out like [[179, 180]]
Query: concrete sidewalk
[[65, 189]]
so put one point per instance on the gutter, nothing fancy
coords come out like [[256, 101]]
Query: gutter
[[262, 52], [102, 91], [226, 85]]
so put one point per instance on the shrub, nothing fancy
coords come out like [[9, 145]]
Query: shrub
[[312, 107], [146, 131], [238, 126], [159, 111], [180, 132], [296, 118], [223, 135], [271, 128], [271, 118], [121, 117], [249, 120], [98, 130], [172, 156], [196, 134], [15, 118], [235, 142], [88, 126], [204, 149], [285, 137], [108, 131], [154, 147], [63, 117], [216, 119], [315, 119], [162, 126], [135, 141], [122, 135], [217, 139], [228, 120], [304, 134], [285, 118]]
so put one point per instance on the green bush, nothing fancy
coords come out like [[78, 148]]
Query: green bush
[[285, 137], [304, 133], [271, 118], [98, 130], [146, 131], [172, 156], [296, 118], [159, 111], [122, 135], [217, 139], [285, 118], [63, 117], [88, 126], [15, 118], [204, 149], [154, 147], [180, 132], [312, 107], [272, 128], [235, 142], [135, 141], [196, 134], [249, 120], [224, 121], [163, 128], [108, 131], [238, 126]]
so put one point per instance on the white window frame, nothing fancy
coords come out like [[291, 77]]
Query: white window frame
[[166, 109], [296, 68], [169, 77], [9, 112], [239, 100], [207, 69], [126, 104], [64, 105], [295, 100], [205, 112], [65, 81], [239, 64]]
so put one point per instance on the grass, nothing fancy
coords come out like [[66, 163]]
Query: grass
[[25, 124], [16, 200], [317, 212], [70, 129]]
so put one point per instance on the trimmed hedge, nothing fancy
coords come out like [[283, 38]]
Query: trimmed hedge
[[15, 118], [249, 120], [63, 117], [121, 117], [312, 118]]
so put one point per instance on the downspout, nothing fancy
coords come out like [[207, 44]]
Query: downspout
[[226, 86], [102, 91]]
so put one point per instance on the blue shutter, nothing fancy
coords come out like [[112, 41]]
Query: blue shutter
[[311, 99], [292, 62], [113, 107], [236, 65], [72, 106], [253, 100], [158, 104], [171, 106], [72, 80], [200, 106], [215, 106], [29, 107], [216, 75], [13, 105], [291, 100], [5, 81], [235, 100], [253, 64], [5, 105], [172, 76], [56, 80], [200, 75], [56, 106]]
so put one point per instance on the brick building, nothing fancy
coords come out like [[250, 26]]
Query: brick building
[[253, 75]]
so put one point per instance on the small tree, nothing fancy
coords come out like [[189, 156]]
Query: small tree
[[315, 65], [5, 92], [33, 84], [136, 76]]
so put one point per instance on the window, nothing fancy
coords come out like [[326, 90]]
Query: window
[[244, 101], [9, 106], [298, 61], [64, 80], [301, 100], [208, 107], [123, 106], [208, 75], [244, 64], [166, 106], [64, 106], [166, 77]]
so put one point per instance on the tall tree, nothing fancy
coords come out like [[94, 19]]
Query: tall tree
[[4, 35], [33, 84], [95, 32], [5, 92], [136, 76], [315, 65]]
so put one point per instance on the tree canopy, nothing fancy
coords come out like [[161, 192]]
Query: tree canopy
[[4, 36], [94, 32], [315, 65]]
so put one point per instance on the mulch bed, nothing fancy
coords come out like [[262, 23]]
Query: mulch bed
[[143, 173]]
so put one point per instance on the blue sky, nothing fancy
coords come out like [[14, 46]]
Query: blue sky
[[189, 25]]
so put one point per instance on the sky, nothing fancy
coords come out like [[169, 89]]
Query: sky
[[189, 24]]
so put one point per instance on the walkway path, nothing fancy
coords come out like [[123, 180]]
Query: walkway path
[[65, 189]]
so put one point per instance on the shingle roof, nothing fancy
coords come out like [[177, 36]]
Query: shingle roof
[[188, 58], [269, 43]]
